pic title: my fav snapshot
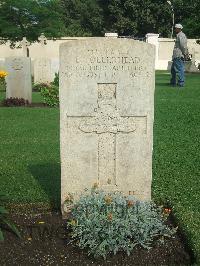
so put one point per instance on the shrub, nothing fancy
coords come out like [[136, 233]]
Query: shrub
[[51, 95], [4, 220], [107, 223], [49, 91], [37, 87], [3, 74], [15, 102]]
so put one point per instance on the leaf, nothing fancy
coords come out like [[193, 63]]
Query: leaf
[[1, 235], [3, 211], [3, 197], [12, 227]]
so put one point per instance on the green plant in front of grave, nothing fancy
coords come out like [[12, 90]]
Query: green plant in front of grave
[[49, 91], [4, 219], [50, 95], [38, 86], [106, 223]]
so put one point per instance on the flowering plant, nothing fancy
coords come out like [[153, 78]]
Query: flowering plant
[[3, 74], [110, 222]]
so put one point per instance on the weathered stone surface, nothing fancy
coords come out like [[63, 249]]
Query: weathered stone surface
[[107, 110], [19, 78]]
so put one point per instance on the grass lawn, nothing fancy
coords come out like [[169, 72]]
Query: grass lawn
[[30, 164], [176, 162]]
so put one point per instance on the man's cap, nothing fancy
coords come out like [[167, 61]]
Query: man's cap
[[178, 26]]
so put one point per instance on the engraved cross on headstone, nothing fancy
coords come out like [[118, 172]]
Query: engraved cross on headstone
[[42, 39], [107, 123], [25, 45]]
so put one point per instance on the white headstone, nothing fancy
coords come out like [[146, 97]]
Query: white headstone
[[18, 81], [42, 70], [107, 111], [42, 65]]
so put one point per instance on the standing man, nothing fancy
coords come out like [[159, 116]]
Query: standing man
[[180, 53]]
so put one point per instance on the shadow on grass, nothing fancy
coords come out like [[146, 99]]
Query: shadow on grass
[[164, 84], [49, 177]]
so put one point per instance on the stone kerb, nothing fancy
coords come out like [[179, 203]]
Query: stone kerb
[[106, 119]]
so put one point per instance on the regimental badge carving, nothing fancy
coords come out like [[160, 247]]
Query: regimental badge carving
[[107, 118]]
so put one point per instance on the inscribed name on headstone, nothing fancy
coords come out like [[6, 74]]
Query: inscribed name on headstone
[[42, 70], [18, 81], [107, 112]]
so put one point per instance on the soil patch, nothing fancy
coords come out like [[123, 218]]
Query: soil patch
[[46, 241], [43, 105]]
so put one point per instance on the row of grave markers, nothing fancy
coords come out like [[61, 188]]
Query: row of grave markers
[[19, 79], [44, 69], [20, 70]]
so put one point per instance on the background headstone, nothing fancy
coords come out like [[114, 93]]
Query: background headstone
[[42, 65], [42, 70], [107, 110], [19, 78]]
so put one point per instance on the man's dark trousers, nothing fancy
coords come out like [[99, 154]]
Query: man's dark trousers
[[177, 68]]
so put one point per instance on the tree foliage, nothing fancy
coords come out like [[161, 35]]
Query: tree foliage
[[19, 18], [58, 18], [127, 17], [188, 13], [83, 18], [130, 17]]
